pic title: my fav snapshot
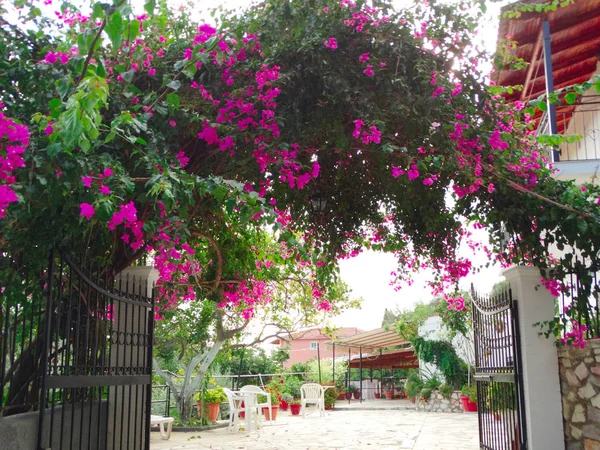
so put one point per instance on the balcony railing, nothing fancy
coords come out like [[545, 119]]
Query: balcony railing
[[581, 119]]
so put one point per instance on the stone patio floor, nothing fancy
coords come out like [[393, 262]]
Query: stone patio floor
[[340, 430]]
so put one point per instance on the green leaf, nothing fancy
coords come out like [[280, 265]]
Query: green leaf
[[173, 100], [571, 98], [150, 6], [582, 226], [542, 106], [139, 140], [70, 125], [114, 30], [109, 137], [174, 84]]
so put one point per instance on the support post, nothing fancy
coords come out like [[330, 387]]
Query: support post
[[319, 360], [348, 386], [333, 370], [361, 376], [541, 384], [551, 106]]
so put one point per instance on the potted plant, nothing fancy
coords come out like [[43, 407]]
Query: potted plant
[[413, 386], [213, 399], [500, 396], [377, 395], [331, 395], [342, 394], [353, 390], [274, 389], [389, 392], [284, 401], [295, 407], [469, 397]]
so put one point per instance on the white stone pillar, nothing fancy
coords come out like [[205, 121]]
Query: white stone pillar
[[541, 384]]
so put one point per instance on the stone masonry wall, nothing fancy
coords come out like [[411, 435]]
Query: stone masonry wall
[[437, 403], [580, 388]]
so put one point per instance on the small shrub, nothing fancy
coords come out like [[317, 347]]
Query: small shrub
[[446, 391], [425, 394], [286, 397], [331, 395], [433, 383]]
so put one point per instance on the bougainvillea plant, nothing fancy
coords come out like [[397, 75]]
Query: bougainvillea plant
[[149, 133]]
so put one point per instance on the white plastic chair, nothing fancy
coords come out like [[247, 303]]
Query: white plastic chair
[[235, 408], [250, 388], [161, 422], [312, 393]]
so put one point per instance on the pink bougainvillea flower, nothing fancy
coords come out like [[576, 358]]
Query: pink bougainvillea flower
[[583, 189], [413, 172], [107, 172], [187, 54], [364, 57], [209, 134], [151, 71], [172, 123], [369, 71], [428, 181], [49, 130], [326, 9], [331, 43], [87, 211], [87, 181], [104, 190], [397, 171], [491, 188], [183, 160]]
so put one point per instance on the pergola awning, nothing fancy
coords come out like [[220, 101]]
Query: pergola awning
[[369, 341], [402, 358]]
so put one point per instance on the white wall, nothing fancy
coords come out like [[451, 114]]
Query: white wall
[[433, 329]]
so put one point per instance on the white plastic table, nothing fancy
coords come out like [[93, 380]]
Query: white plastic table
[[250, 406]]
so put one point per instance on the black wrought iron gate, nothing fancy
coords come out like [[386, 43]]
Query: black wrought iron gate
[[498, 374], [97, 365]]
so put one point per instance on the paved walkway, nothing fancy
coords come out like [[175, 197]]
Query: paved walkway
[[341, 430]]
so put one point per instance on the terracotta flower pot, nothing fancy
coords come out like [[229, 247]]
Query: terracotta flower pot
[[377, 395], [413, 399], [274, 409], [330, 406], [348, 395], [295, 409], [357, 395], [389, 395], [468, 405], [213, 411], [283, 405], [342, 396]]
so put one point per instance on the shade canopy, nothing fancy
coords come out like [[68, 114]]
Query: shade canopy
[[369, 341], [403, 358]]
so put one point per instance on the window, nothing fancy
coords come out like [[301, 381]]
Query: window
[[314, 345]]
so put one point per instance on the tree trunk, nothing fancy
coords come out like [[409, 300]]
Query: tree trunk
[[184, 392]]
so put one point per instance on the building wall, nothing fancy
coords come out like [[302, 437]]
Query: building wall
[[580, 389], [300, 346]]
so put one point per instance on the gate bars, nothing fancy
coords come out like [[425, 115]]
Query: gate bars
[[97, 360], [498, 373]]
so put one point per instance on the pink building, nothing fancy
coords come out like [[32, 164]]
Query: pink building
[[303, 344]]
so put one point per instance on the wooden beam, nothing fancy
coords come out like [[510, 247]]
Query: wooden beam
[[537, 50]]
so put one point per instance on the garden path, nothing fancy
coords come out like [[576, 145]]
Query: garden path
[[341, 430]]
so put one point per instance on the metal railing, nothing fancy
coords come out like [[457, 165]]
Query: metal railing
[[581, 120], [579, 303]]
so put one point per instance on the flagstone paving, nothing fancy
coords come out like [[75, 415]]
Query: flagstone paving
[[340, 430]]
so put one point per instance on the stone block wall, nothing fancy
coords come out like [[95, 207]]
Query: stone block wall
[[437, 403], [580, 389]]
